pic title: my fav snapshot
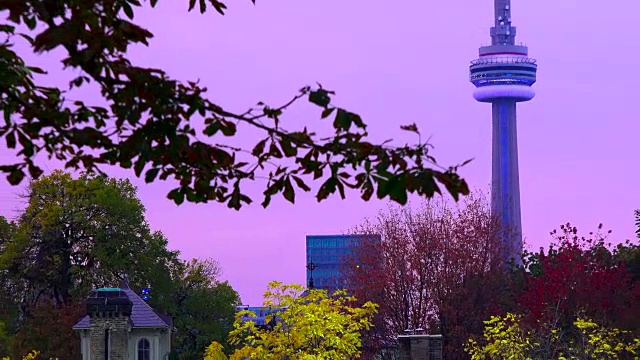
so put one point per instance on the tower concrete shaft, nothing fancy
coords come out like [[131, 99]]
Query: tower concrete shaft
[[505, 182], [503, 75]]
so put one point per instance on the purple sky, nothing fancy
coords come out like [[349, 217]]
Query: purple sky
[[396, 65]]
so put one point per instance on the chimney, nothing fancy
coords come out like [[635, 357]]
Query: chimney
[[420, 346], [109, 310]]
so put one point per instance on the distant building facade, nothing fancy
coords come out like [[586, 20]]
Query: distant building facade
[[327, 256], [261, 312]]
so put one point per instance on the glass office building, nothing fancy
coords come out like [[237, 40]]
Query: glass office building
[[261, 313], [327, 255]]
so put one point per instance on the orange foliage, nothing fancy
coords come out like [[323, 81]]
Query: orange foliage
[[48, 328]]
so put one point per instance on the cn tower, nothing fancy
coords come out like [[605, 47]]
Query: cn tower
[[503, 75]]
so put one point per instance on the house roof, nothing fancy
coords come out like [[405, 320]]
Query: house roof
[[142, 315]]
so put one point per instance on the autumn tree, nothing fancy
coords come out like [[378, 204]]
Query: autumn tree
[[309, 325], [164, 128], [510, 337], [33, 355], [48, 328], [438, 268], [580, 273], [215, 351]]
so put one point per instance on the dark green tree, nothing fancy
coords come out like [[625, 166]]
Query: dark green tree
[[4, 338], [77, 234], [203, 308], [164, 128], [8, 304], [629, 252]]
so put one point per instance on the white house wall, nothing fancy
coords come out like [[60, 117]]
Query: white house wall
[[159, 339]]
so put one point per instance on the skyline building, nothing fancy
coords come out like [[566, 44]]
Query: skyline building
[[326, 255], [503, 75], [261, 313]]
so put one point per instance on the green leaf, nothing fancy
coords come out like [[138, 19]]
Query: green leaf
[[15, 176], [212, 128], [127, 9], [192, 4], [274, 151], [266, 201], [466, 162], [7, 28], [221, 157], [383, 188], [455, 185], [301, 184], [192, 196], [36, 70], [176, 195], [259, 148], [288, 149], [342, 120], [428, 185], [220, 7], [328, 188], [288, 192], [30, 21], [398, 192], [203, 6], [28, 149], [53, 37], [357, 120], [367, 191], [139, 166], [35, 171], [10, 137], [411, 127], [319, 97], [228, 128], [326, 112], [153, 3], [317, 173], [151, 174]]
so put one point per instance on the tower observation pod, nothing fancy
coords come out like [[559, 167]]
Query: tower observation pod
[[503, 75]]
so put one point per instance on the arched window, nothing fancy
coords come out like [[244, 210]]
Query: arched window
[[144, 349]]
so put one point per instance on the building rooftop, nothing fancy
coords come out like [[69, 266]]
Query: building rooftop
[[142, 314]]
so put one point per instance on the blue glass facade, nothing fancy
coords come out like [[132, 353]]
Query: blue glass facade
[[261, 313], [328, 253]]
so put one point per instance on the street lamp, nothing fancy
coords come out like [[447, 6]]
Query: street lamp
[[311, 266]]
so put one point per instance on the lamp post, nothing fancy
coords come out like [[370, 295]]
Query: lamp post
[[311, 266]]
